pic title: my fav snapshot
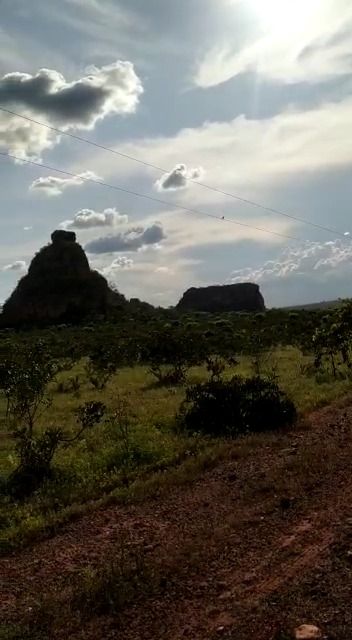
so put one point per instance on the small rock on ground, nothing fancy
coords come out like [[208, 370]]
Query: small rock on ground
[[308, 632]]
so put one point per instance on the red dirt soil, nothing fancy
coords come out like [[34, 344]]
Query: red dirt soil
[[250, 550]]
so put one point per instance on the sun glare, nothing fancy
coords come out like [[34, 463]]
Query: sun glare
[[285, 15]]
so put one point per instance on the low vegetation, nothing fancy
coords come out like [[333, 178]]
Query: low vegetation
[[239, 406], [97, 412]]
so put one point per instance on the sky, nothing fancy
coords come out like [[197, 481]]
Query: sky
[[219, 101]]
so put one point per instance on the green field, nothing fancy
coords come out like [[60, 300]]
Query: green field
[[114, 463]]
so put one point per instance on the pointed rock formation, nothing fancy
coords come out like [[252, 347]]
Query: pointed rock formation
[[59, 287]]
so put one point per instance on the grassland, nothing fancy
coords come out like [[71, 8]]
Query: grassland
[[114, 464]]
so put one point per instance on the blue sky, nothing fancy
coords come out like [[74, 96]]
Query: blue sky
[[252, 97]]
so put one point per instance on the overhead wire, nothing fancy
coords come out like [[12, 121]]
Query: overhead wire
[[147, 197], [201, 184]]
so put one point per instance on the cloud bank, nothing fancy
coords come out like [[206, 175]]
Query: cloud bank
[[307, 42], [332, 257], [268, 151]]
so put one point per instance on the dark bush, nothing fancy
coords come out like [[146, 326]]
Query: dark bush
[[233, 407], [215, 367], [35, 455]]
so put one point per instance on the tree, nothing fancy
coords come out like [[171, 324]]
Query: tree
[[24, 381]]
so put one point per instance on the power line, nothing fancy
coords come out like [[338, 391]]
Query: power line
[[147, 197], [204, 185], [85, 140]]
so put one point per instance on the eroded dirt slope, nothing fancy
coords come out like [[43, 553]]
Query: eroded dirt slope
[[254, 547]]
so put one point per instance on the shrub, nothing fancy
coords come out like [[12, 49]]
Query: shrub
[[111, 587], [72, 385], [215, 367], [120, 425], [102, 364], [170, 353], [24, 380], [35, 451], [35, 454], [233, 407]]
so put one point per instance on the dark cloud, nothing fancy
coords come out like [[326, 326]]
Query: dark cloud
[[113, 88], [106, 90], [178, 178], [48, 92], [133, 239]]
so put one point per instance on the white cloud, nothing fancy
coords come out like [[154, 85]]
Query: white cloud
[[308, 41], [27, 228], [247, 156], [18, 265], [144, 280], [113, 89], [186, 231], [331, 258], [55, 186], [122, 262], [88, 219], [178, 178], [101, 27]]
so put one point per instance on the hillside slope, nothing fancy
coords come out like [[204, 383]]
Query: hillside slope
[[252, 548]]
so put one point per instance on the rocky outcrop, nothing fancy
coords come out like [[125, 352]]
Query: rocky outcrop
[[60, 235], [232, 297], [59, 287]]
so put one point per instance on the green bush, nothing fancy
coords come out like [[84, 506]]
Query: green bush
[[35, 451], [233, 407], [170, 353], [101, 365]]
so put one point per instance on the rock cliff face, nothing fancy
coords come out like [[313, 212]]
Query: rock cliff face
[[59, 287], [232, 297]]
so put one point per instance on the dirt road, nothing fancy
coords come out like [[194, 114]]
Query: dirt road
[[253, 548]]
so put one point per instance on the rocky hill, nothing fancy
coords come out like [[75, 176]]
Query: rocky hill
[[59, 287], [218, 298]]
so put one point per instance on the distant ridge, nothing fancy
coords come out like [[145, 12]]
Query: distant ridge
[[311, 306]]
